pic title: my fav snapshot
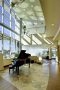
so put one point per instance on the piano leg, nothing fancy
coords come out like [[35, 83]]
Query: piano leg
[[29, 62], [29, 65], [17, 70]]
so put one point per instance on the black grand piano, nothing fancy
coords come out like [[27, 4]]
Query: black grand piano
[[23, 58]]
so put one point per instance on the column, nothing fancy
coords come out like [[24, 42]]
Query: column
[[20, 33], [58, 53], [50, 53]]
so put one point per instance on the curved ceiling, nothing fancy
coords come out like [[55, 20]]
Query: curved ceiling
[[51, 9]]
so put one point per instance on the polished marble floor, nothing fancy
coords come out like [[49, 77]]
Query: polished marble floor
[[34, 78]]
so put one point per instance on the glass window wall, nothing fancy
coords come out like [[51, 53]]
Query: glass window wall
[[6, 18], [0, 13], [17, 29], [13, 35], [1, 29], [13, 48], [6, 32], [9, 41], [0, 43]]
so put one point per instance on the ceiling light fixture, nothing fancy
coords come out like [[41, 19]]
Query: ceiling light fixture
[[32, 0], [42, 18]]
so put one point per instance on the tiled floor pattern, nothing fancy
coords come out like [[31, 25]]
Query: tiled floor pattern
[[34, 78]]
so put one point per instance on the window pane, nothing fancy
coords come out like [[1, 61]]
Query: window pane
[[12, 23], [17, 29], [13, 35], [6, 8], [13, 46], [6, 48], [6, 31], [1, 2], [6, 18], [17, 48], [6, 21], [0, 13], [6, 44], [0, 44], [0, 17], [1, 29], [0, 9], [17, 24], [17, 37], [12, 12], [6, 14], [7, 2]]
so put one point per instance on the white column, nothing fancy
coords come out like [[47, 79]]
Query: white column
[[50, 53], [20, 33]]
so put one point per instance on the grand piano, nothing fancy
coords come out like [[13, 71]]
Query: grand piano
[[23, 58]]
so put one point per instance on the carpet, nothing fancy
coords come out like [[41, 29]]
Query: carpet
[[34, 78]]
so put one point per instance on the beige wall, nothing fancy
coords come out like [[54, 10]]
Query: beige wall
[[58, 53], [6, 62]]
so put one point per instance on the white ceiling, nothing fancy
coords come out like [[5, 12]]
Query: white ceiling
[[31, 13]]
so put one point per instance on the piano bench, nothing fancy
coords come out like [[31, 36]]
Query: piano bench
[[11, 66]]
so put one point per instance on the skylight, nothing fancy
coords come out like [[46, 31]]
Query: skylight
[[36, 40], [27, 38], [47, 41], [24, 42]]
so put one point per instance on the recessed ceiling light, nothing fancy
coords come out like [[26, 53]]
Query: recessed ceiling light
[[24, 5], [52, 24], [39, 13], [33, 17], [30, 12], [37, 8], [32, 0], [42, 18], [44, 35], [32, 6]]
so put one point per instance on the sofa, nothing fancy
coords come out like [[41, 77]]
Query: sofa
[[36, 59]]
